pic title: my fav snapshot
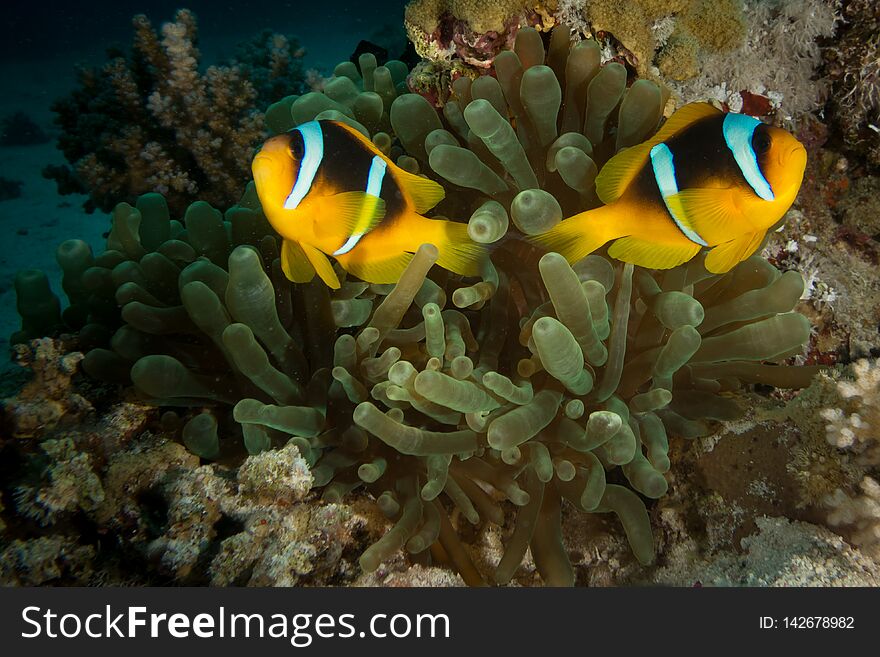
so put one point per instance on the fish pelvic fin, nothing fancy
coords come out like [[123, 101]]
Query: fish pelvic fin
[[294, 263], [725, 256], [578, 236], [321, 265]]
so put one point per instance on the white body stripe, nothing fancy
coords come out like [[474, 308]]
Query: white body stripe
[[664, 174], [313, 153], [374, 188], [738, 130]]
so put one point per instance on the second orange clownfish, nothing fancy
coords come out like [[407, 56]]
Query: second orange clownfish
[[706, 180], [329, 192]]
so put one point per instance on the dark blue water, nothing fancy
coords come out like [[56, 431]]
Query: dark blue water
[[38, 30], [41, 41]]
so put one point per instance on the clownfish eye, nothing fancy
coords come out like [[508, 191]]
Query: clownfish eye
[[760, 142], [296, 148]]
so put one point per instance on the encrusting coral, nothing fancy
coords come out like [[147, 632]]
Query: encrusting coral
[[450, 401], [151, 121], [756, 56]]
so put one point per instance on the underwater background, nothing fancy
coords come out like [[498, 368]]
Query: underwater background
[[177, 411]]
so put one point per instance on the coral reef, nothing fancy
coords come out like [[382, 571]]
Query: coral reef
[[272, 63], [774, 68], [152, 121], [475, 413], [755, 56], [474, 32], [47, 560], [853, 427], [46, 400], [852, 64], [828, 239], [782, 553], [92, 496]]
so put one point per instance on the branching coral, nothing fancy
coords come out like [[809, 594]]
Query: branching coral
[[854, 426], [777, 60], [47, 400], [153, 122], [273, 64], [452, 401]]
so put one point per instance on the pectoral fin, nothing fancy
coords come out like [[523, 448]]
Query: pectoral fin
[[714, 214], [725, 256], [322, 266], [295, 264], [346, 214]]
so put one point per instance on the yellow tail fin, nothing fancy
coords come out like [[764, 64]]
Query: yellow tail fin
[[580, 235]]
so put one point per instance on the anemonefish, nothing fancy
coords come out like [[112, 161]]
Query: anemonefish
[[329, 191], [707, 179]]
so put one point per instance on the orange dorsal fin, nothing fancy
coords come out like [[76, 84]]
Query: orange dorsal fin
[[683, 117], [423, 193], [619, 171]]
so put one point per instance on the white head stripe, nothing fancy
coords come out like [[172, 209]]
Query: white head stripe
[[376, 176], [313, 153], [738, 130], [664, 174], [374, 188]]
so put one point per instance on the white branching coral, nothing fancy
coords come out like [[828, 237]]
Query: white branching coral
[[860, 513], [778, 58], [854, 425]]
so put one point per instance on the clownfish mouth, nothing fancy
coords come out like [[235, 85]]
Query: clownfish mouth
[[794, 154], [265, 163]]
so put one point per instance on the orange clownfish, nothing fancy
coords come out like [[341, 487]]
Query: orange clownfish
[[707, 179], [329, 191]]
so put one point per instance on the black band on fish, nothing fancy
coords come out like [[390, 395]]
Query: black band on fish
[[374, 188], [664, 173]]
